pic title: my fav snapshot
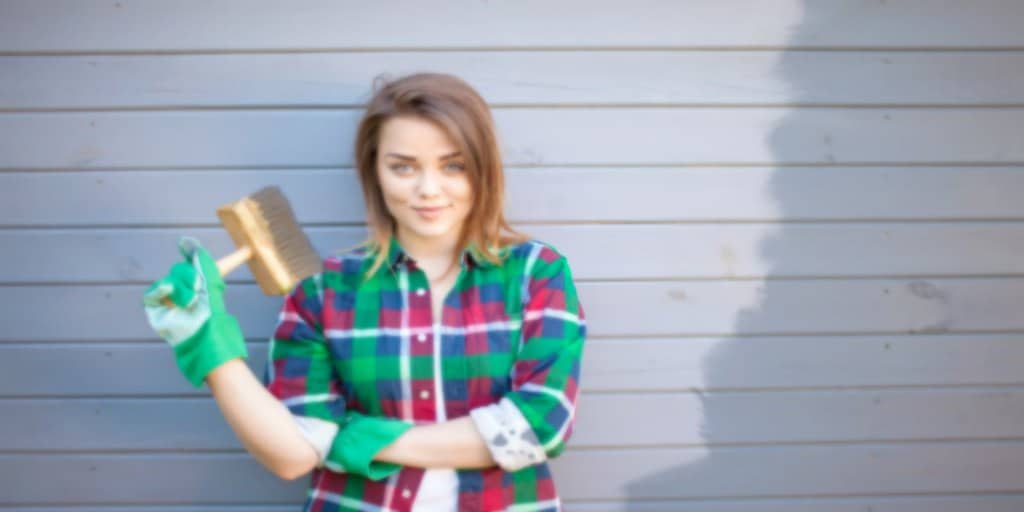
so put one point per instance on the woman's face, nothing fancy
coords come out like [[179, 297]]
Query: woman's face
[[423, 180]]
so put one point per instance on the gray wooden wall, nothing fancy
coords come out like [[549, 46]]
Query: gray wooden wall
[[796, 225]]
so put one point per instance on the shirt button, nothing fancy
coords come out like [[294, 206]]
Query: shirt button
[[406, 493], [422, 337], [421, 292], [424, 394]]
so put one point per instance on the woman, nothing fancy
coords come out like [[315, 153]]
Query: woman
[[436, 366]]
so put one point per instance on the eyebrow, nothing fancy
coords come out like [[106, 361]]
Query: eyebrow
[[407, 157]]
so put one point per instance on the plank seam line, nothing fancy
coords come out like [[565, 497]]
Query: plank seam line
[[622, 48], [773, 166], [718, 446], [882, 389], [898, 278], [566, 223], [262, 504], [792, 106]]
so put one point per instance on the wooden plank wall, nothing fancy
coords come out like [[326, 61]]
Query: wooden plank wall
[[796, 226]]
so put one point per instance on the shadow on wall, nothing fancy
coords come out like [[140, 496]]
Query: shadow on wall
[[751, 435]]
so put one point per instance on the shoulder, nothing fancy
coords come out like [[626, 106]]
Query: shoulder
[[338, 271], [534, 249], [545, 275], [536, 258], [348, 262]]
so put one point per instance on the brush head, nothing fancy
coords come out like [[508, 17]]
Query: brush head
[[281, 253]]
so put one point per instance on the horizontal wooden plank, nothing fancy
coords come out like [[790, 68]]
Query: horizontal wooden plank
[[94, 26], [556, 77], [529, 136], [666, 364], [800, 362], [674, 251], [989, 502], [157, 508], [127, 479], [662, 473], [616, 419], [668, 473], [814, 306], [139, 198], [986, 502], [661, 419]]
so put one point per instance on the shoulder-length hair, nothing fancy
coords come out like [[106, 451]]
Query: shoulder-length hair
[[457, 109]]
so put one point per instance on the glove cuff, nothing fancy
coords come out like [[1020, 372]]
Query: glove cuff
[[218, 341], [360, 439]]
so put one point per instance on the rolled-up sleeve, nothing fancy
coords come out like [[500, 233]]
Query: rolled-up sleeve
[[299, 370], [534, 420]]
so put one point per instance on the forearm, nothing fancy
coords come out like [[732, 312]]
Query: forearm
[[260, 421], [451, 444]]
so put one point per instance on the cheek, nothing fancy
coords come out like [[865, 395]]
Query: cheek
[[393, 190], [462, 192]]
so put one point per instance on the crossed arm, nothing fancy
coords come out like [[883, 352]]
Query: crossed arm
[[267, 430], [292, 424]]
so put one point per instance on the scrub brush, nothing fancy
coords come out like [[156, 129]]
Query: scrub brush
[[269, 238]]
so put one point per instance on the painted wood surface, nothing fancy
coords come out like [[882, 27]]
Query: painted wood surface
[[796, 228]]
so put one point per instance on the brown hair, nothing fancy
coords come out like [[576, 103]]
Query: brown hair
[[457, 109]]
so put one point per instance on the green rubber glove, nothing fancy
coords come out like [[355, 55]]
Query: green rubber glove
[[359, 439], [199, 329]]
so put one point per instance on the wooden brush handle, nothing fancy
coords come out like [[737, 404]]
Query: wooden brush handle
[[225, 265], [230, 262]]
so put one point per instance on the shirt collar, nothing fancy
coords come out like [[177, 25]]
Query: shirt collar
[[396, 255]]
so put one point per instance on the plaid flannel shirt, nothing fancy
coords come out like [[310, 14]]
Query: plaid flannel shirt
[[506, 351]]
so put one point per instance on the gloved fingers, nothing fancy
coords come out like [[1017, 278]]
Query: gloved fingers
[[193, 251], [187, 245], [176, 288], [175, 324], [157, 293], [177, 305]]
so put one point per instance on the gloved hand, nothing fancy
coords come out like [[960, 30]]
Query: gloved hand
[[198, 328], [359, 440]]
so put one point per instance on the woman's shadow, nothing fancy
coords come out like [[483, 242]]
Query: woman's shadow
[[749, 447]]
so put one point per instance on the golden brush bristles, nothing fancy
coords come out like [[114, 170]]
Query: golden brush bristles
[[281, 253]]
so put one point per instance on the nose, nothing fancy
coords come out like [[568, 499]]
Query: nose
[[429, 183]]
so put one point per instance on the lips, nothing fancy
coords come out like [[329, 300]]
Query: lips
[[430, 213]]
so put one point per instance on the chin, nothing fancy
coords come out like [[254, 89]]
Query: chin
[[430, 230]]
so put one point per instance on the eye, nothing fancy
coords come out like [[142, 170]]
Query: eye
[[456, 166], [400, 168]]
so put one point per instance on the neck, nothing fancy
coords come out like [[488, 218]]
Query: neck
[[428, 250]]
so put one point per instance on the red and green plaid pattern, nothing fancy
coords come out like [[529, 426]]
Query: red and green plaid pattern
[[513, 330]]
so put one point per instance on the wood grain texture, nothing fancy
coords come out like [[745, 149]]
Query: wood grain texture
[[94, 26], [990, 502], [531, 136], [604, 420], [812, 299], [535, 195], [687, 251], [643, 365], [614, 309], [609, 365], [649, 77], [658, 473]]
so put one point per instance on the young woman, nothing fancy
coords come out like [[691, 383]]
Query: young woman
[[433, 368]]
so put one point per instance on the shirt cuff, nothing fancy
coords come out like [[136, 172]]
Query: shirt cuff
[[319, 433], [509, 437]]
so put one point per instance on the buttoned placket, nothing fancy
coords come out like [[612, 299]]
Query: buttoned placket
[[422, 292]]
